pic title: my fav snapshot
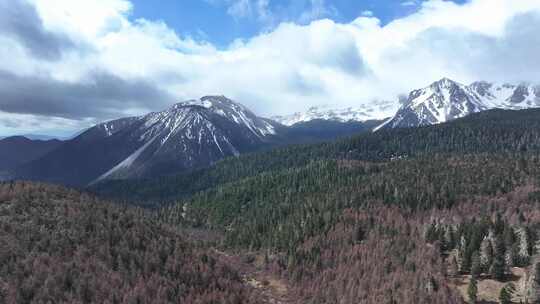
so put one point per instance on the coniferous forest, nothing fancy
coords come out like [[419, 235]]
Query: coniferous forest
[[441, 214]]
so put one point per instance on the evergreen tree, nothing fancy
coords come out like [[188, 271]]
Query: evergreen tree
[[450, 239], [472, 290], [499, 225], [454, 268], [498, 268], [486, 254], [505, 296], [464, 258], [476, 267], [359, 234]]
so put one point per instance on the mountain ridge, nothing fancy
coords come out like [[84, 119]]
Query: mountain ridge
[[441, 101], [189, 134], [446, 100], [186, 136], [16, 150]]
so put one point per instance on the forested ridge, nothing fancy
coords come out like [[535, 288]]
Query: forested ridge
[[396, 216], [300, 206], [494, 131], [61, 246]]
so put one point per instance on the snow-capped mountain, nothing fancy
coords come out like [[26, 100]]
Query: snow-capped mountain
[[188, 135], [376, 110], [447, 100]]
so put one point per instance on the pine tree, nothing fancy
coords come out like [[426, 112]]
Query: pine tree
[[486, 254], [472, 290], [498, 268], [505, 296], [454, 268], [499, 225], [431, 233], [463, 257], [359, 234], [450, 238], [476, 266]]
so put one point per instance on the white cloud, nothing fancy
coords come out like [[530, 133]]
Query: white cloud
[[286, 69], [367, 13], [271, 15], [318, 9], [409, 3]]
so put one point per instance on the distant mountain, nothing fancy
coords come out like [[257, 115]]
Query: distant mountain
[[447, 100], [17, 150], [189, 135], [377, 110], [442, 101], [319, 130], [36, 137]]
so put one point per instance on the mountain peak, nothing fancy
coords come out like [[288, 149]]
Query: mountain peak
[[211, 101], [444, 83], [221, 98], [446, 100]]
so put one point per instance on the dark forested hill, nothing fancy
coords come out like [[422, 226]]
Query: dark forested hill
[[61, 246], [18, 150], [495, 131]]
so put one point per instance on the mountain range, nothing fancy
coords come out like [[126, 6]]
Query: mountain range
[[446, 100], [442, 101], [198, 133], [188, 135], [375, 110]]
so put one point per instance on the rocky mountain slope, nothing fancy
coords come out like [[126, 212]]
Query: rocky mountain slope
[[446, 100], [190, 134], [442, 101], [187, 136]]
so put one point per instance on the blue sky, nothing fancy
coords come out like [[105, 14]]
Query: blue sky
[[213, 21]]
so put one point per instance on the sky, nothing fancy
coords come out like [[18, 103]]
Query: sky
[[66, 65]]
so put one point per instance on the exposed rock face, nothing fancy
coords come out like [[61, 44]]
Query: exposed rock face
[[446, 100]]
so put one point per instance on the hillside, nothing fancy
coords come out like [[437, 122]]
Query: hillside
[[500, 131], [348, 220], [17, 150], [61, 246]]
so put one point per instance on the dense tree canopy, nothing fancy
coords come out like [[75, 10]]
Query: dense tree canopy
[[59, 246]]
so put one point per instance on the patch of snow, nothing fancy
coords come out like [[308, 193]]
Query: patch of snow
[[376, 110], [126, 163]]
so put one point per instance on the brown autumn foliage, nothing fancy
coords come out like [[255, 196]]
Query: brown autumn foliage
[[61, 246], [380, 255]]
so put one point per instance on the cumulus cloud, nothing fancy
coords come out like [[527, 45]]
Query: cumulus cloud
[[100, 94], [74, 63], [271, 14], [20, 21]]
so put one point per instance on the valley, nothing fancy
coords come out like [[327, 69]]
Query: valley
[[318, 212], [269, 152]]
